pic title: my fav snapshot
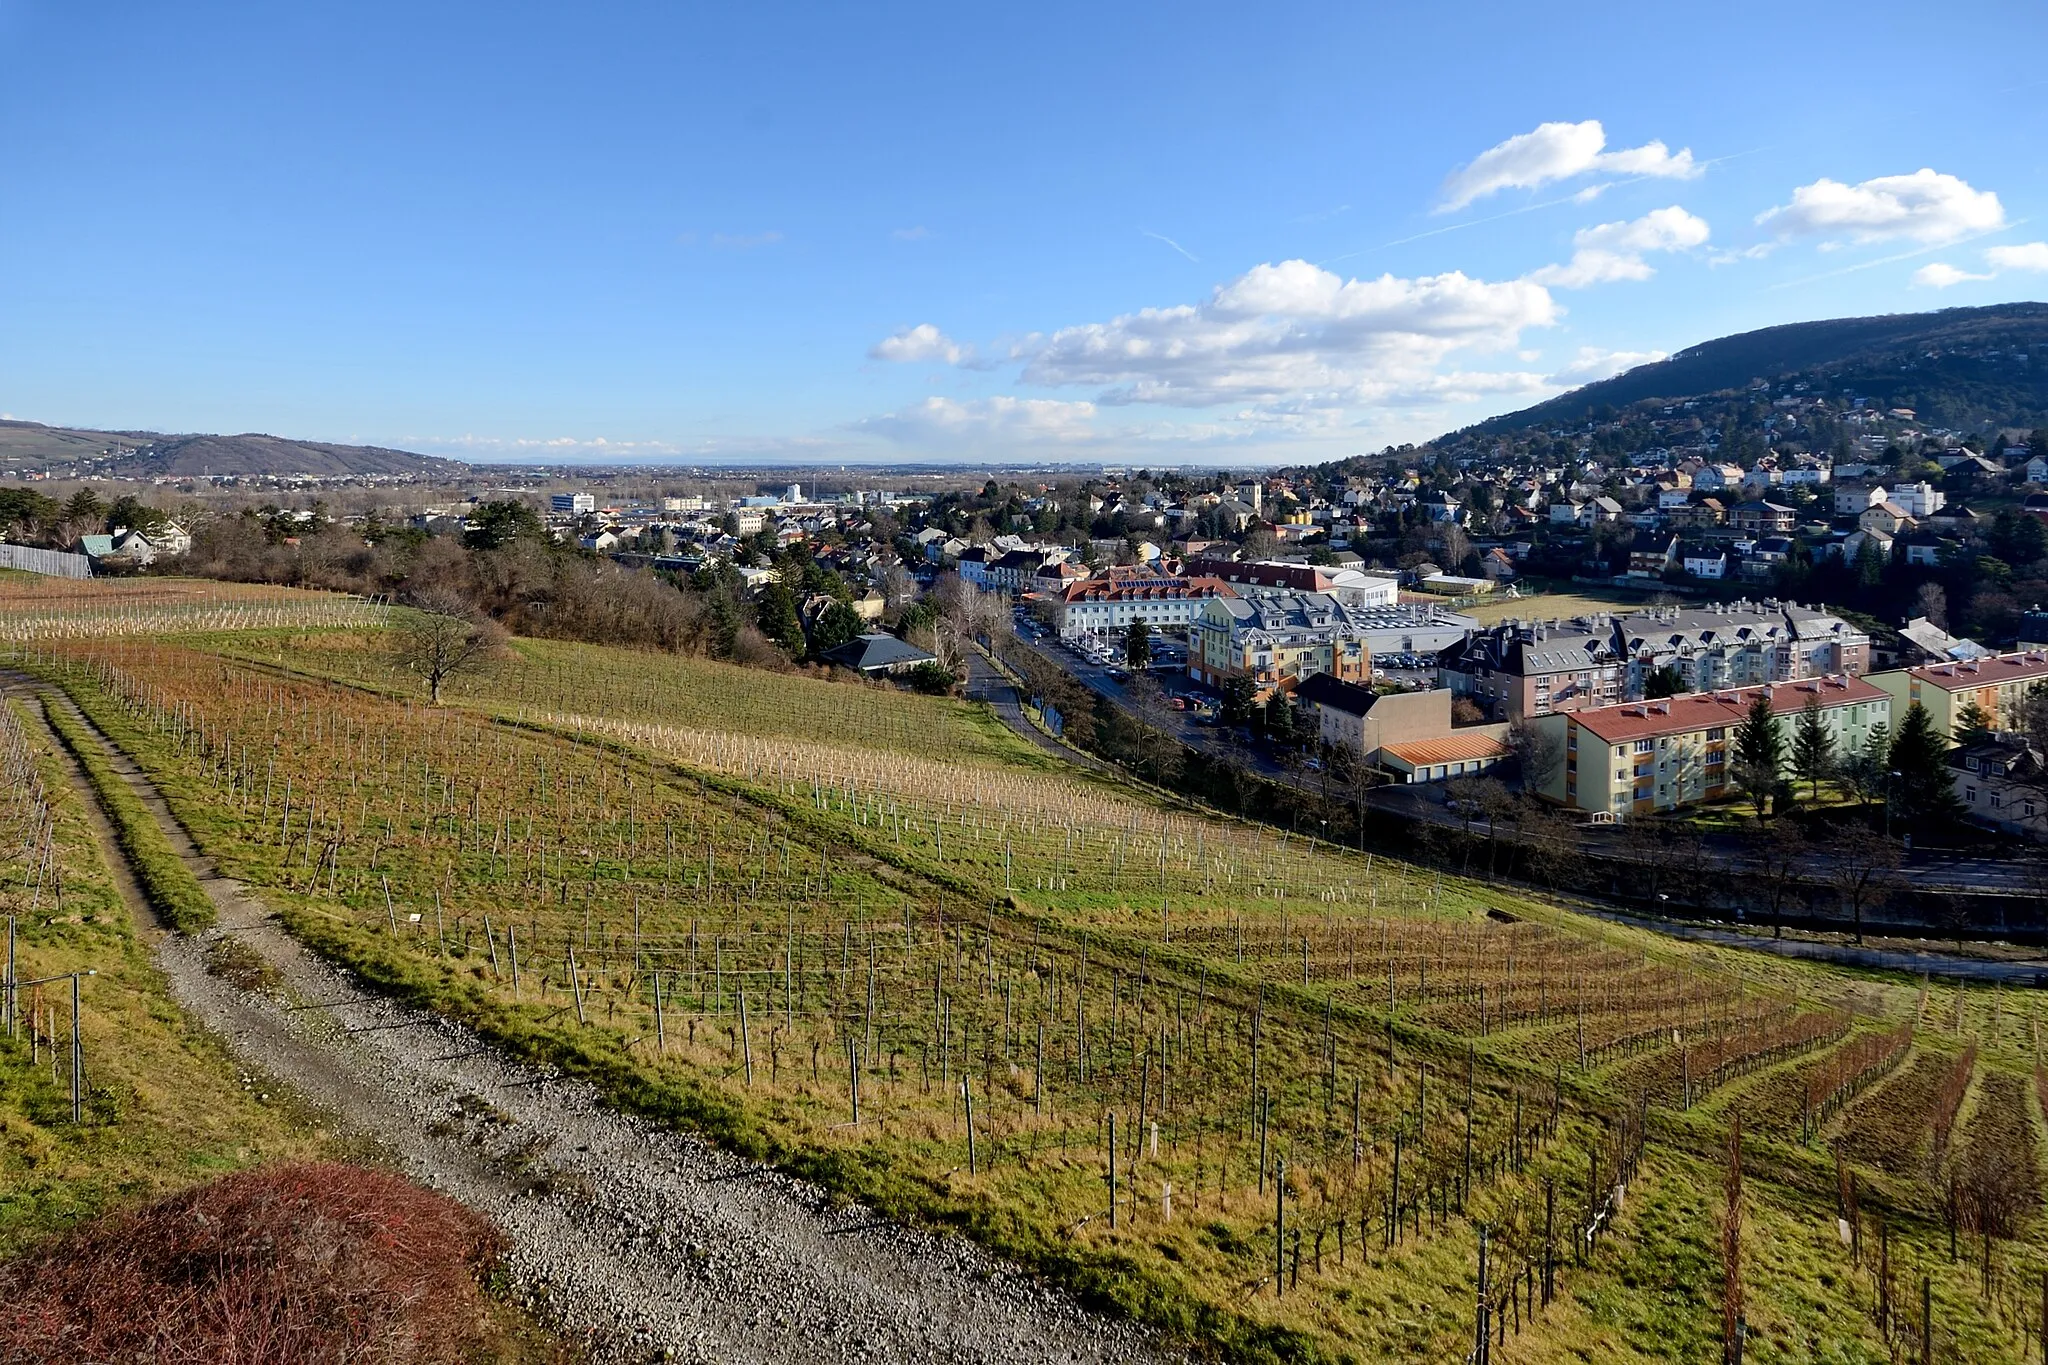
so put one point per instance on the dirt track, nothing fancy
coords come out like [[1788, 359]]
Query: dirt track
[[645, 1242]]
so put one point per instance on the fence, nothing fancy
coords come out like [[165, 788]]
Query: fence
[[56, 563]]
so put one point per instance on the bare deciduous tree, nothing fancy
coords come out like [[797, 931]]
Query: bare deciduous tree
[[442, 638]]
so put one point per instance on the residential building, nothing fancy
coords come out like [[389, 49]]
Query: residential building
[[972, 566], [1851, 499], [572, 504], [876, 654], [1997, 684], [1108, 606], [1521, 669], [1759, 518], [2000, 781], [1919, 499], [1923, 642], [1352, 587], [1651, 553], [1640, 757], [1704, 561], [1276, 640], [1717, 478]]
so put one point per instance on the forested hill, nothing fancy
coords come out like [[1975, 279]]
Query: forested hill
[[149, 454], [1958, 368]]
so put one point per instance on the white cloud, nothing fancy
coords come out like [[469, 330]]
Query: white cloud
[[2025, 256], [1940, 275], [1614, 251], [978, 421], [1592, 364], [1289, 331], [1926, 207], [1558, 151], [922, 342]]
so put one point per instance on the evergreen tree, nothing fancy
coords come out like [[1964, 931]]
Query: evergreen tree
[[1238, 694], [1972, 723], [85, 508], [1138, 644], [1921, 791], [1759, 753], [836, 625], [775, 614], [1665, 682], [1813, 747]]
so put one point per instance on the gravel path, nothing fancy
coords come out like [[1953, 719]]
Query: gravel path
[[645, 1242]]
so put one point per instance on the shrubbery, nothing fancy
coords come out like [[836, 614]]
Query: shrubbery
[[278, 1266]]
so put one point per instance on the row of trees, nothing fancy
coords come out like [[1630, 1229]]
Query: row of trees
[[28, 517], [1907, 769]]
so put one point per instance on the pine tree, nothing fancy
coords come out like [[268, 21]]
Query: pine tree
[[1813, 747], [1759, 753], [1138, 644], [1972, 723], [1921, 789]]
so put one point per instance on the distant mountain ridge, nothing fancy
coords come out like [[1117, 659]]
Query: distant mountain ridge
[[1958, 367], [149, 454]]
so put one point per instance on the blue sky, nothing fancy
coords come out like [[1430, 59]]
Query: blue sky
[[1166, 233]]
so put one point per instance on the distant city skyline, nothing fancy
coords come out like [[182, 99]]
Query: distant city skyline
[[812, 236]]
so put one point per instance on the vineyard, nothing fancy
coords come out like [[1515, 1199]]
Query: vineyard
[[1253, 1087], [36, 608]]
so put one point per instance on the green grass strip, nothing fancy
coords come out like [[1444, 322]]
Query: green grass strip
[[169, 884]]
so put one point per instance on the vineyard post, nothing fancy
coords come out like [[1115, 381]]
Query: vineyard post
[[1280, 1228], [967, 1098], [1731, 1249], [512, 949], [576, 986], [1926, 1320], [1549, 1238], [660, 1022], [390, 914], [440, 931], [1483, 1337], [853, 1075], [1112, 1170], [1038, 1085], [1265, 1121], [77, 1053], [746, 1044]]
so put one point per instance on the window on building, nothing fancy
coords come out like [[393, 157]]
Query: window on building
[[1644, 746], [1970, 795], [1717, 732]]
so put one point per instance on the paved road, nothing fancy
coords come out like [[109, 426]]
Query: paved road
[[987, 683]]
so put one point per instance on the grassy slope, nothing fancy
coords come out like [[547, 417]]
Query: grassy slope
[[168, 1107], [1653, 1295], [172, 890]]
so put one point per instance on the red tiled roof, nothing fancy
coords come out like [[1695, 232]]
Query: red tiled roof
[[1150, 590], [1699, 710], [1973, 674]]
